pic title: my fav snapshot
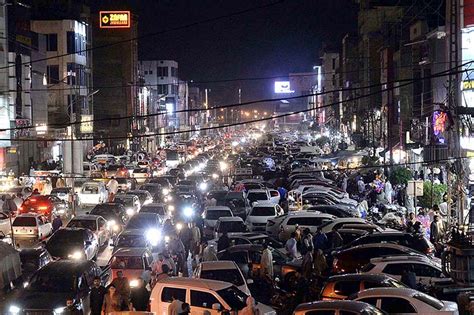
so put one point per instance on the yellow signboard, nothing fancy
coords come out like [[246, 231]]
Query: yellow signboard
[[114, 19], [468, 85]]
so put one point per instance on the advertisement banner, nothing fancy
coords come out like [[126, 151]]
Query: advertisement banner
[[467, 84]]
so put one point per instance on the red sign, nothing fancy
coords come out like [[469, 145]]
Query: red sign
[[468, 13]]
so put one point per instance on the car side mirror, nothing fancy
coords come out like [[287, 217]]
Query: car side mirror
[[216, 306]]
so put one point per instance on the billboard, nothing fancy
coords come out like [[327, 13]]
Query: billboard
[[467, 84], [114, 19], [282, 87]]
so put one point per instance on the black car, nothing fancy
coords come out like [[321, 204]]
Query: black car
[[111, 211], [73, 243], [417, 242], [51, 286], [339, 211], [144, 221], [248, 258], [154, 189], [33, 259]]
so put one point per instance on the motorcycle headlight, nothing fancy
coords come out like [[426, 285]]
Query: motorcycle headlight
[[215, 176], [59, 310], [179, 226], [130, 212], [111, 223], [165, 191], [188, 212], [133, 283], [76, 255], [167, 239], [171, 208], [13, 309]]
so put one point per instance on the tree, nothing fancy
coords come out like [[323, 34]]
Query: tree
[[400, 175], [432, 194]]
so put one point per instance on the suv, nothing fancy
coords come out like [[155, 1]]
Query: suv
[[210, 217], [426, 269], [229, 225], [51, 286], [260, 214]]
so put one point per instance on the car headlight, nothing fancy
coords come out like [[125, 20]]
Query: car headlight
[[153, 236], [188, 212], [215, 176], [130, 212], [165, 191], [223, 165], [59, 310], [167, 239], [76, 255], [179, 226], [171, 208], [203, 186], [111, 223], [133, 283], [13, 309]]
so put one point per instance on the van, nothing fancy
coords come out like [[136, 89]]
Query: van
[[204, 296]]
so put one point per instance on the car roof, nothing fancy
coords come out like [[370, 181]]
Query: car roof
[[130, 251], [402, 258], [387, 291], [64, 266], [359, 277], [29, 215], [218, 265], [195, 282], [377, 245], [230, 219], [309, 214], [257, 191], [345, 305], [265, 203], [133, 232], [86, 217], [216, 208], [351, 219]]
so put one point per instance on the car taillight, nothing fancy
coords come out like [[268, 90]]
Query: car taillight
[[43, 208]]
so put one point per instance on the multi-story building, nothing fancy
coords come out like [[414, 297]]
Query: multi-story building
[[331, 113], [116, 65]]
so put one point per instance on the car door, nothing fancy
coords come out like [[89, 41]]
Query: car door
[[201, 302], [274, 196]]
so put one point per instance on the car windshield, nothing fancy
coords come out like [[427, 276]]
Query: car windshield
[[257, 196], [153, 209], [138, 222], [126, 262], [87, 224], [60, 191], [228, 275], [25, 221], [263, 211], [67, 236], [131, 241], [435, 303], [216, 214], [127, 202], [49, 281], [235, 298], [229, 227]]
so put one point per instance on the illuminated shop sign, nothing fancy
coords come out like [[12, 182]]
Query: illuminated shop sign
[[114, 19]]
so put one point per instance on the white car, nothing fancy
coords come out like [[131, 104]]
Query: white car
[[405, 301], [259, 195], [339, 222], [260, 213], [229, 225], [211, 215], [342, 307], [426, 269], [141, 175], [92, 193], [223, 270], [209, 297], [31, 225], [301, 219]]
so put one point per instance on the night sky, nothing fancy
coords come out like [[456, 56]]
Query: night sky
[[266, 42]]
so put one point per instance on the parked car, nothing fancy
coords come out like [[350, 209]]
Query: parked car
[[54, 284], [417, 242], [405, 301], [354, 258], [144, 222], [337, 308], [210, 216], [97, 224], [204, 296], [46, 205], [73, 243], [426, 269], [339, 222], [340, 287], [247, 257], [229, 225], [302, 219], [259, 215], [223, 270], [92, 193], [241, 238], [31, 225], [340, 211], [135, 263], [349, 235]]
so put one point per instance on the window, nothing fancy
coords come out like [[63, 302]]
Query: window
[[76, 43], [151, 72], [396, 269], [174, 72], [333, 63], [239, 257], [53, 74], [371, 301], [71, 42], [146, 72], [168, 294], [162, 71], [202, 299], [174, 89], [396, 305], [435, 303], [346, 288], [426, 271], [51, 42], [162, 88]]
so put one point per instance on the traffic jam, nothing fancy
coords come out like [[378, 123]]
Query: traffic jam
[[245, 223]]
